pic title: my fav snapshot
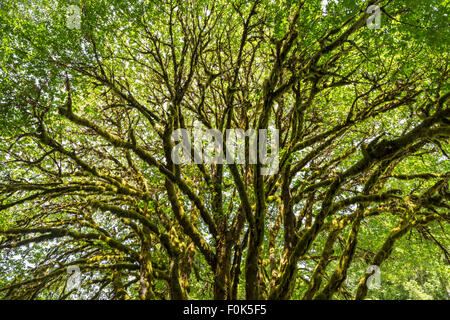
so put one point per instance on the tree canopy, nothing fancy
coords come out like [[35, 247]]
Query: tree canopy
[[88, 114]]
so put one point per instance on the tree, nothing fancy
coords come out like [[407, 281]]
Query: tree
[[88, 177]]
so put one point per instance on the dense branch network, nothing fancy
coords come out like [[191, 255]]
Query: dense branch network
[[91, 181]]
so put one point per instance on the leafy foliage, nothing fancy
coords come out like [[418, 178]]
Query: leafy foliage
[[87, 177]]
